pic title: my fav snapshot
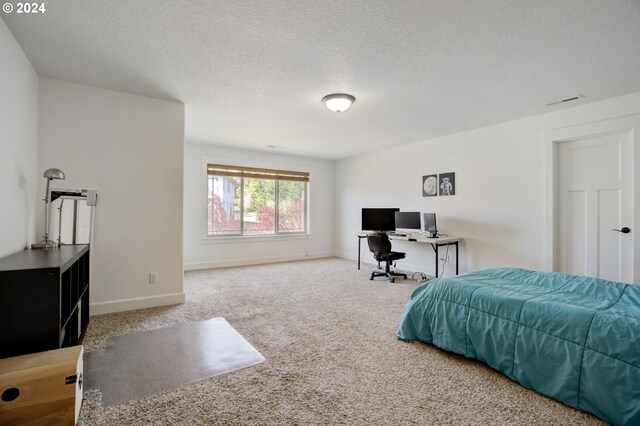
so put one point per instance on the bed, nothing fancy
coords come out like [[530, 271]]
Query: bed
[[575, 339]]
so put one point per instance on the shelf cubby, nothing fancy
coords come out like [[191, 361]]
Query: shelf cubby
[[44, 299]]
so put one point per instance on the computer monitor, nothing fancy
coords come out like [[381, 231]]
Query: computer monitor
[[378, 219], [407, 220], [430, 224]]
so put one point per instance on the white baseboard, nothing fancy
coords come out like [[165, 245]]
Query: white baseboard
[[135, 303], [254, 261], [368, 262], [344, 255]]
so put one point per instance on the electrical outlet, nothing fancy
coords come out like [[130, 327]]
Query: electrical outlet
[[153, 278]]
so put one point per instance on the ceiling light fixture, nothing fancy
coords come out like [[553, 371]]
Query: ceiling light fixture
[[338, 102]]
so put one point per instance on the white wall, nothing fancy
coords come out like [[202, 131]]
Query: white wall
[[18, 146], [499, 204], [202, 252], [130, 149]]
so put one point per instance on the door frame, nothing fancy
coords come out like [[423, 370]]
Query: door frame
[[551, 139]]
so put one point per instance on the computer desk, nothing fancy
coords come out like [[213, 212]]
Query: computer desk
[[435, 244]]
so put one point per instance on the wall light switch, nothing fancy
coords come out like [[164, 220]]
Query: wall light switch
[[153, 278]]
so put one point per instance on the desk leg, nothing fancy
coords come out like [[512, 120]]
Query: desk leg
[[359, 239], [436, 260], [457, 269]]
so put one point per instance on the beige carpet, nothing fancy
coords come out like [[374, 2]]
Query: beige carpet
[[328, 334]]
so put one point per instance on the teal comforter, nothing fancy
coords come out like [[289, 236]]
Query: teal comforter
[[575, 339]]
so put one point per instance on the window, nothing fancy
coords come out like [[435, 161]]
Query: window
[[252, 201]]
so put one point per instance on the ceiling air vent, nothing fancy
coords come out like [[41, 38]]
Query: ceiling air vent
[[562, 101]]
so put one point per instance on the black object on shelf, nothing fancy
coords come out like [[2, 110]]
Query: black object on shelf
[[44, 299]]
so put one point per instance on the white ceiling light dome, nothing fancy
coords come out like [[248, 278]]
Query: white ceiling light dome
[[339, 102]]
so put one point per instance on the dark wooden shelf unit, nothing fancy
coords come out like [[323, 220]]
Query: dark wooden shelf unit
[[44, 299]]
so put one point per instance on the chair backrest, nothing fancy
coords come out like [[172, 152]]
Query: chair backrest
[[379, 243]]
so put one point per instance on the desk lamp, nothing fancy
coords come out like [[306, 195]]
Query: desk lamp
[[46, 243]]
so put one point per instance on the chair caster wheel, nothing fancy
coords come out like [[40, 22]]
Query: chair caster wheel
[[393, 280]]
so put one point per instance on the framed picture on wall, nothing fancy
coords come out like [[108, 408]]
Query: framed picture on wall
[[430, 186], [447, 184]]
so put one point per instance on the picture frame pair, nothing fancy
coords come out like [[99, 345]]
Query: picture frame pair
[[443, 184]]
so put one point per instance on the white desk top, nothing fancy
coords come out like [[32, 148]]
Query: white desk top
[[425, 239], [420, 238]]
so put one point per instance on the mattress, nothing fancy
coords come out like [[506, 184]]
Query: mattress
[[575, 339]]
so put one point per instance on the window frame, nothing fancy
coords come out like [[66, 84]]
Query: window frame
[[259, 173]]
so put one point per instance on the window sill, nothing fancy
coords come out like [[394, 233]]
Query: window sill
[[253, 238]]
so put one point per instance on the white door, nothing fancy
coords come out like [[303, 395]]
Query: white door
[[595, 198]]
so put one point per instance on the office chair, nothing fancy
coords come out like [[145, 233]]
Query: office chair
[[380, 246]]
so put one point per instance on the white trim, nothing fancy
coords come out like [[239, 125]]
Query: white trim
[[254, 238], [136, 303], [550, 166], [551, 139], [368, 262], [254, 261], [410, 268], [343, 255]]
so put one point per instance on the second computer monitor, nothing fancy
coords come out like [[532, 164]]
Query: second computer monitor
[[430, 224], [407, 220]]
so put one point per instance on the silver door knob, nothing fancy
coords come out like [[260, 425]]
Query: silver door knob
[[624, 230]]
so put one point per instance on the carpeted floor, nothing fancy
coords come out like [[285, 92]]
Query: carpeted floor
[[328, 334]]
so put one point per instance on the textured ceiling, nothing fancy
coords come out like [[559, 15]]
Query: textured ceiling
[[252, 73]]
